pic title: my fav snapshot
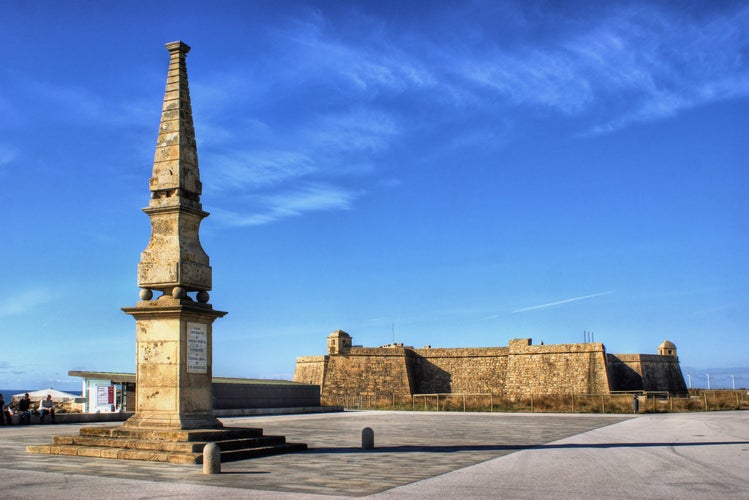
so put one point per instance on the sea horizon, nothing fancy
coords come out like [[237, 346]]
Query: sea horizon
[[9, 393]]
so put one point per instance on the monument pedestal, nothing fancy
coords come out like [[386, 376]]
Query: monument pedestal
[[174, 418], [173, 357]]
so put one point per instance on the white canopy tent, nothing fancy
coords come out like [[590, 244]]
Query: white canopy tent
[[57, 396]]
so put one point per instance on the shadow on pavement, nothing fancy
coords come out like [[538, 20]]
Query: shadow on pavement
[[516, 447]]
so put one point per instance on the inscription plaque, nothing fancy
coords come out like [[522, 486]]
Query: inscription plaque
[[197, 348]]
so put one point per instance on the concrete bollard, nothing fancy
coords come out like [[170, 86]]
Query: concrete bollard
[[211, 459], [367, 439]]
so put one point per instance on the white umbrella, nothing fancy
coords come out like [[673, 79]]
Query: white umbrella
[[57, 396]]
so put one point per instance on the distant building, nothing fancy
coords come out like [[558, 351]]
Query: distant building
[[110, 392], [519, 369]]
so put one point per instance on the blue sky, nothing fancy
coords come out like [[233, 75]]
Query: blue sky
[[469, 172]]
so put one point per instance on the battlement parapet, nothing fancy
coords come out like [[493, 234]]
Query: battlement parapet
[[461, 352]]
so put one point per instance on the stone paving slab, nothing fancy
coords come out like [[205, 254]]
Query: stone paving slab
[[409, 447], [684, 456], [673, 456]]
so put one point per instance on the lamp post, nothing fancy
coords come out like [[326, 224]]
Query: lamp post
[[708, 381]]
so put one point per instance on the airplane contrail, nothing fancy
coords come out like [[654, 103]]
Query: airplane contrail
[[574, 299]]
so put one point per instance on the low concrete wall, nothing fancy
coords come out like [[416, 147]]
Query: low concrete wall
[[256, 412], [83, 418], [76, 418], [228, 396], [229, 399]]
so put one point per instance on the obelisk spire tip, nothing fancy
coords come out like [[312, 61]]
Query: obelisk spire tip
[[178, 46]]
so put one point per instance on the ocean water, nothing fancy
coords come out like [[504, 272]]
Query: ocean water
[[8, 393]]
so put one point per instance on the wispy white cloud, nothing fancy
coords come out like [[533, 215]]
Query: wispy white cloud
[[332, 134], [24, 302], [652, 62], [220, 131], [8, 369], [256, 169], [660, 63], [374, 64], [359, 130], [311, 197], [316, 153], [633, 64], [531, 76], [719, 309], [560, 302], [61, 101]]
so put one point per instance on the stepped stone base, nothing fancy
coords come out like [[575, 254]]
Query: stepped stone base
[[174, 446]]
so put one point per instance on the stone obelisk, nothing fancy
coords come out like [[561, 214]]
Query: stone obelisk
[[173, 417], [174, 330]]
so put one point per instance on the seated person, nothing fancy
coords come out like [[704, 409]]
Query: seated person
[[46, 406], [24, 406], [7, 413]]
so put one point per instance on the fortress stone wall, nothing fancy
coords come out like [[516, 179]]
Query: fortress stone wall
[[520, 369], [648, 372]]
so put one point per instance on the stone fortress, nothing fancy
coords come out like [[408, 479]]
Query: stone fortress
[[518, 370]]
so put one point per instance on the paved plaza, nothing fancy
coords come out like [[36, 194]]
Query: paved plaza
[[422, 455]]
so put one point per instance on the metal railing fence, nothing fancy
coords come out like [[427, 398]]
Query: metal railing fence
[[615, 402]]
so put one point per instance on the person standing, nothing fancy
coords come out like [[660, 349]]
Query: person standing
[[47, 406]]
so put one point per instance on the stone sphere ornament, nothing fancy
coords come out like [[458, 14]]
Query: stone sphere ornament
[[178, 292], [203, 296], [146, 294]]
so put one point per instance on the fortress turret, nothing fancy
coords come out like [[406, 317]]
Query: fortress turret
[[667, 348], [339, 342]]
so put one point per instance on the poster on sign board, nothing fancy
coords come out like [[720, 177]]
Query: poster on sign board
[[104, 395]]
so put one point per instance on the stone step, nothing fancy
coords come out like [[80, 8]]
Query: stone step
[[161, 456], [159, 445], [172, 435], [167, 446], [229, 445], [116, 453]]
